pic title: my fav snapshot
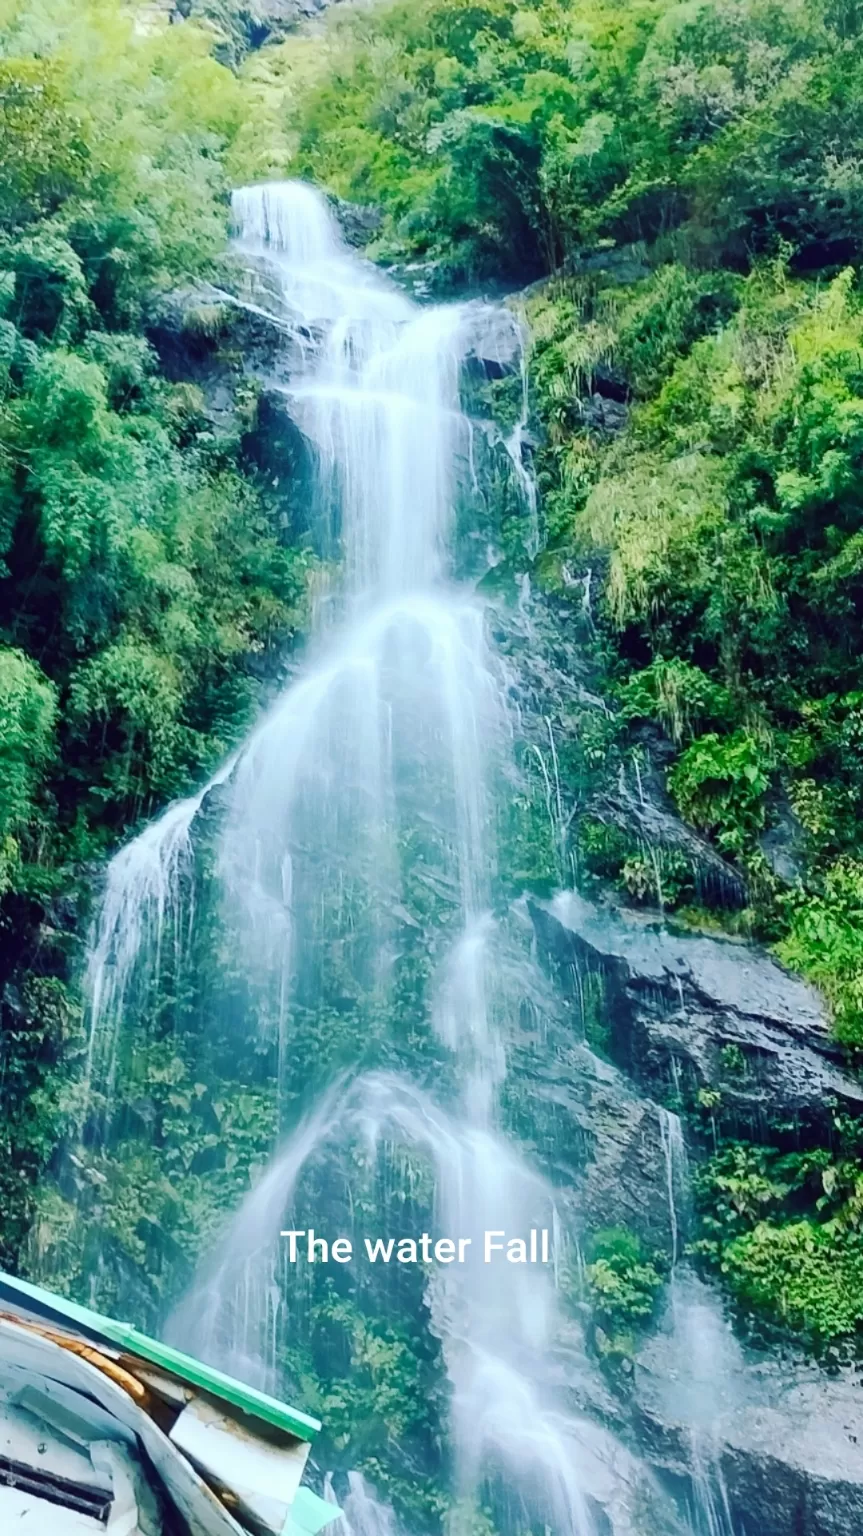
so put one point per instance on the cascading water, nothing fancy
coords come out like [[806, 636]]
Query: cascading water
[[142, 909], [400, 726], [394, 734], [676, 1180], [700, 1342], [368, 795]]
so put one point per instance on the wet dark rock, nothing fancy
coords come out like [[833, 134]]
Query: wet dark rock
[[783, 845], [618, 265], [219, 342], [359, 222], [780, 1434], [688, 1012], [281, 16], [799, 1478], [552, 676], [622, 1495], [215, 339], [494, 339], [600, 414], [624, 264], [773, 1441], [557, 680], [598, 1138], [609, 1149], [610, 385], [644, 810]]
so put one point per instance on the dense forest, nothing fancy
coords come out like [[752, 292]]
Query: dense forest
[[143, 581], [671, 195]]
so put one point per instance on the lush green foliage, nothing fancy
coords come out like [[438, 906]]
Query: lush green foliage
[[824, 941], [139, 567], [686, 169], [503, 137], [623, 1286], [719, 784], [726, 515], [143, 579], [677, 694], [784, 1228], [41, 1030], [652, 876], [810, 1276], [28, 708]]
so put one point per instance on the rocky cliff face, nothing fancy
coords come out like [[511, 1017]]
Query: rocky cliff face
[[680, 1005], [781, 1436], [241, 25], [250, 25], [775, 1435]]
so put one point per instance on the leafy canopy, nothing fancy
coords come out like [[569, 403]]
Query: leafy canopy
[[502, 137]]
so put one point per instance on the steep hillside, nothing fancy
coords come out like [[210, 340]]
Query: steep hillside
[[688, 179], [498, 910]]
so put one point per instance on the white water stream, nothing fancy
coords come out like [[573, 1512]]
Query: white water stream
[[402, 722], [707, 1363]]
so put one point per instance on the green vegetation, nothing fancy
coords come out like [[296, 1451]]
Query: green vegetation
[[648, 876], [726, 515], [687, 180], [503, 139], [143, 577], [719, 784], [690, 174], [375, 1382], [623, 1286], [784, 1230]]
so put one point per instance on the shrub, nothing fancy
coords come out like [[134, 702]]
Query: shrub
[[825, 942], [807, 1276], [677, 694], [622, 1283], [719, 784], [28, 713]]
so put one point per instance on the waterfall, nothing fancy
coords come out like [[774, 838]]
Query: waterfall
[[676, 1175], [704, 1369], [399, 726], [363, 1514], [391, 740], [354, 937], [142, 910]]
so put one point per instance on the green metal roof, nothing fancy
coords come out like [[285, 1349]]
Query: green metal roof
[[33, 1298]]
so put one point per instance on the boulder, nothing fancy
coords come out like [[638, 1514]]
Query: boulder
[[495, 339], [359, 222], [688, 1012]]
